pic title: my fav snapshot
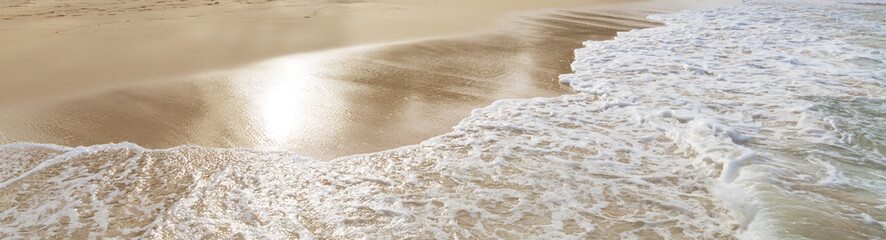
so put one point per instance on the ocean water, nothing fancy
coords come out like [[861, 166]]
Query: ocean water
[[765, 120]]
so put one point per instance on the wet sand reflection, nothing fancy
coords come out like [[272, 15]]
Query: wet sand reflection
[[333, 103]]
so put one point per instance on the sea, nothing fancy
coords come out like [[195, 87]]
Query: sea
[[763, 120]]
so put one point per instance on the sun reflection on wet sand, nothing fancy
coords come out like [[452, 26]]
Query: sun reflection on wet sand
[[331, 103], [286, 102]]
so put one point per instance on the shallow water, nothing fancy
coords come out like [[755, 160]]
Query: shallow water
[[783, 102], [761, 121]]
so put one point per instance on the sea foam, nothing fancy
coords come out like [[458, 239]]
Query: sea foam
[[746, 88]]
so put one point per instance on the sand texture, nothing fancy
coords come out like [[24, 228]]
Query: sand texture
[[365, 75]]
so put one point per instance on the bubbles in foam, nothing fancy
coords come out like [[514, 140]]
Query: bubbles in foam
[[747, 88]]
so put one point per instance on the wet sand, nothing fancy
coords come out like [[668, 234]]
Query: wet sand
[[194, 74], [52, 48]]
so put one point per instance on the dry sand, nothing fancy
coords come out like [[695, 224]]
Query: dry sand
[[170, 73]]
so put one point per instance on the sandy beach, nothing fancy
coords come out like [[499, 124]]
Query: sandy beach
[[68, 47], [323, 79]]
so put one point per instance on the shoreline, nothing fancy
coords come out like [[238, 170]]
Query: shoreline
[[335, 103], [85, 46]]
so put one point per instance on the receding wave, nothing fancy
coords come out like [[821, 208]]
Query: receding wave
[[763, 120]]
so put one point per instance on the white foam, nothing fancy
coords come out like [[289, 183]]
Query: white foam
[[728, 83]]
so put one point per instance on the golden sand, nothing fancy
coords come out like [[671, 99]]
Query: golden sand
[[169, 73]]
